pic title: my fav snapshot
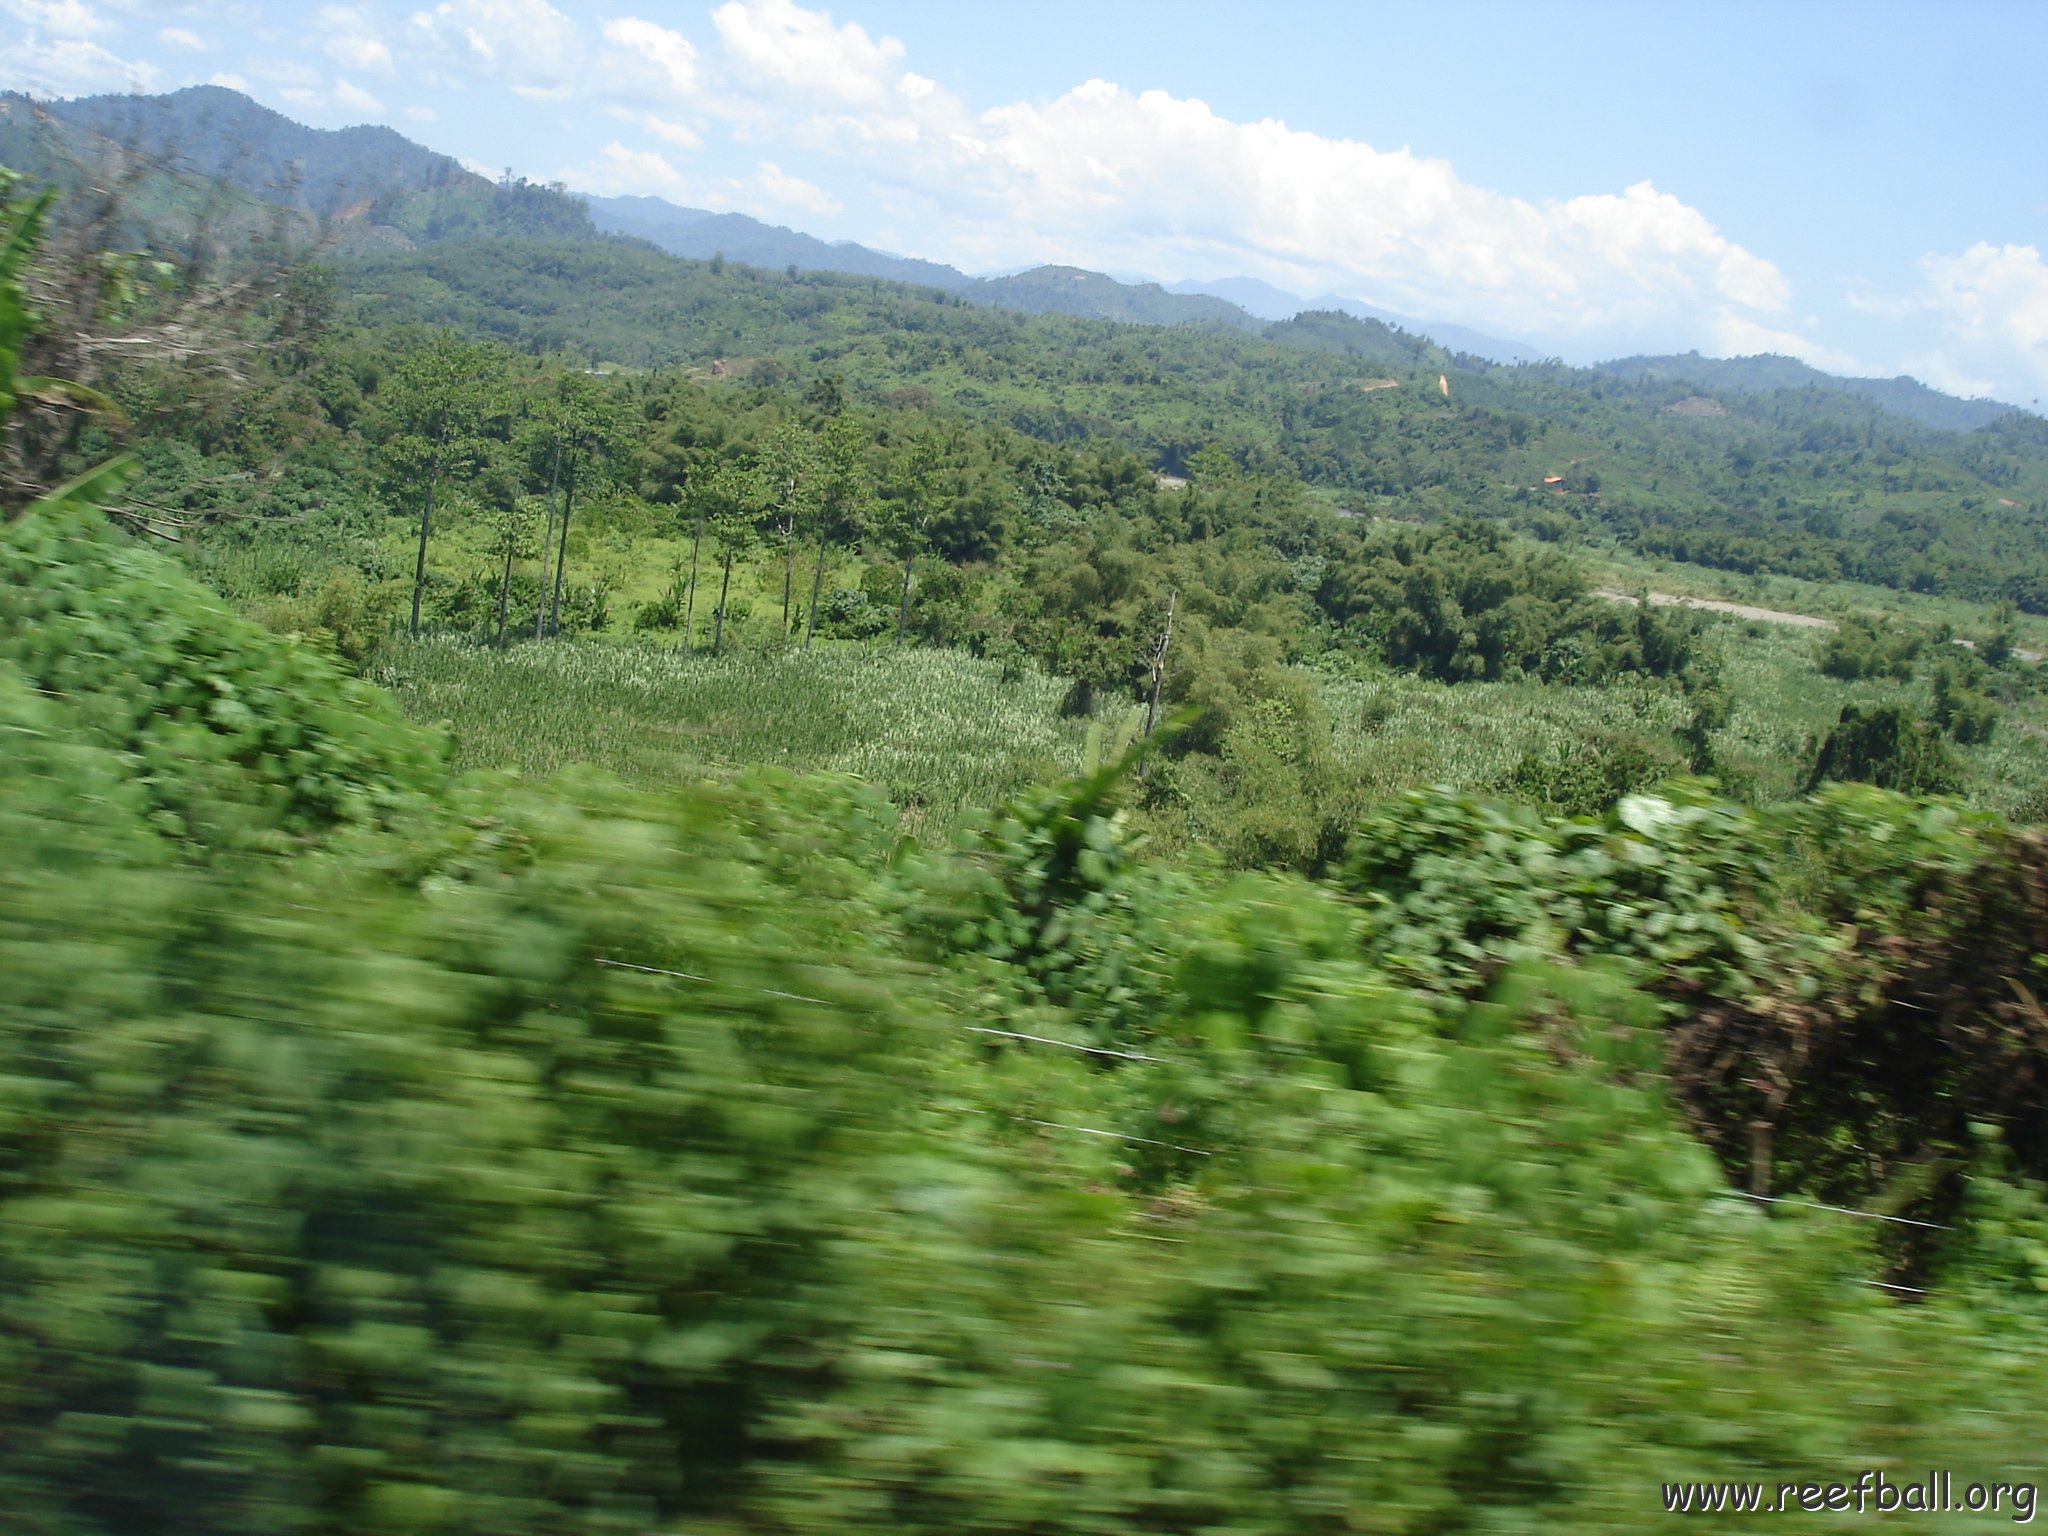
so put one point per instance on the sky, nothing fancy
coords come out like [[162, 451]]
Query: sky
[[1859, 185]]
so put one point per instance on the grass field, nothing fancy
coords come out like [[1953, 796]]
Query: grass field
[[940, 732]]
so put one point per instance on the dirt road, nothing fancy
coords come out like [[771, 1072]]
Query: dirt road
[[1715, 605]]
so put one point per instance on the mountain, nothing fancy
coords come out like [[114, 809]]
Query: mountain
[[215, 134], [1269, 303], [172, 158], [1076, 291], [1768, 372], [699, 234], [1249, 294], [369, 188]]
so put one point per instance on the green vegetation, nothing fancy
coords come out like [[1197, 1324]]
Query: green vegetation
[[819, 1053]]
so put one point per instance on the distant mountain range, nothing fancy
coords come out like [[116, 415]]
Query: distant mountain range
[[369, 187], [1243, 302], [1901, 396], [699, 235]]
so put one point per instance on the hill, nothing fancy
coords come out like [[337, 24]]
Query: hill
[[215, 134], [374, 188], [1270, 303], [700, 234], [1762, 374], [1055, 290]]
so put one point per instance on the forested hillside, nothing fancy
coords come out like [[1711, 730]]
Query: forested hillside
[[653, 895]]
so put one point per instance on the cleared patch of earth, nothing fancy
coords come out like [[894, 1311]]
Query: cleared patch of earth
[[1763, 615], [1715, 605]]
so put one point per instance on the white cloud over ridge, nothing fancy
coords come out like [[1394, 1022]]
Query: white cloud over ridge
[[778, 186], [1149, 181], [1990, 307]]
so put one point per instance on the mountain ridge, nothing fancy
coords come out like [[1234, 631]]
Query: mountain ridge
[[369, 185]]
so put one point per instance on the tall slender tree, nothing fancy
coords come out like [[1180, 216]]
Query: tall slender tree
[[789, 485], [843, 496], [907, 516], [440, 401], [588, 426], [735, 506]]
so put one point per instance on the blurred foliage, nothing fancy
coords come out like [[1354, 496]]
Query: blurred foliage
[[387, 1148]]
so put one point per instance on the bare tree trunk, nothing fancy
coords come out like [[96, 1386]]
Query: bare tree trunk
[[1159, 663], [419, 570], [690, 603], [817, 581], [562, 553], [540, 607], [718, 625], [505, 590], [788, 567], [903, 604]]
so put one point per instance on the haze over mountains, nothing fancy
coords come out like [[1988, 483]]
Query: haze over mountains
[[370, 187]]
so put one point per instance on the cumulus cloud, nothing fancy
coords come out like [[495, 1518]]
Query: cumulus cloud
[[1989, 307], [354, 98], [620, 169], [76, 66], [229, 80], [677, 135], [350, 40], [778, 186], [58, 18], [1736, 335], [653, 57], [1154, 182], [58, 56], [514, 42], [781, 45]]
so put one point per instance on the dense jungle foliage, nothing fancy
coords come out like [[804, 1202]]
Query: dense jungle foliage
[[610, 951]]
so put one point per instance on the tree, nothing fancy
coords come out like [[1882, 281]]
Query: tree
[[789, 485], [511, 539], [843, 493], [906, 517], [440, 402], [735, 509], [587, 429]]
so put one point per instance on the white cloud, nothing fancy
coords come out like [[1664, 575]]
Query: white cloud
[[778, 186], [619, 169], [515, 42], [781, 44], [670, 132], [228, 80], [75, 66], [654, 56], [1153, 182], [354, 98], [681, 135], [1736, 335], [1989, 308], [419, 114], [179, 37], [59, 18], [350, 40]]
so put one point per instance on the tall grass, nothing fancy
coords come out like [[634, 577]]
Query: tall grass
[[942, 733]]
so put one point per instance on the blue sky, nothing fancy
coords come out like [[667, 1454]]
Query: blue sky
[[1860, 185]]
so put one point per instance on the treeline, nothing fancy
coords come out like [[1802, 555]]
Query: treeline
[[931, 529], [1808, 482]]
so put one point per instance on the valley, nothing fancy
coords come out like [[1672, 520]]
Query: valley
[[656, 891]]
